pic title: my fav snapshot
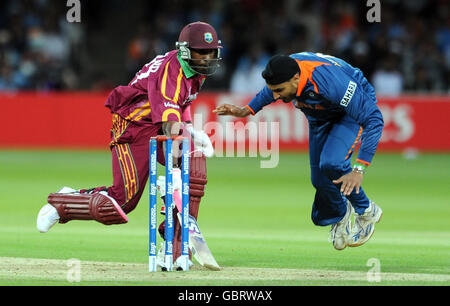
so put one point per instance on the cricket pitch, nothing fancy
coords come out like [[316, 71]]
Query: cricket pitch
[[55, 270]]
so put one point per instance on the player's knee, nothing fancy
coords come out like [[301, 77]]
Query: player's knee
[[329, 165], [318, 180], [315, 218], [130, 205], [127, 202], [331, 168], [127, 192]]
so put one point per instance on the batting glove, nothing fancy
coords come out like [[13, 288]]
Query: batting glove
[[201, 141]]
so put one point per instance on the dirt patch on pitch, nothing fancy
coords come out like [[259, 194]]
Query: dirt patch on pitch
[[55, 270]]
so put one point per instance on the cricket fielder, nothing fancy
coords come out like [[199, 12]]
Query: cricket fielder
[[156, 102], [341, 108]]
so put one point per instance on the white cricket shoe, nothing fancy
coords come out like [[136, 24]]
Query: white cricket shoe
[[67, 190], [161, 260], [341, 231], [365, 225], [179, 264], [48, 216]]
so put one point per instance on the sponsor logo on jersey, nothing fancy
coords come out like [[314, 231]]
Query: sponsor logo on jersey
[[171, 105], [348, 94]]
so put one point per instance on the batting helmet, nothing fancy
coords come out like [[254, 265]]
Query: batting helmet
[[199, 36]]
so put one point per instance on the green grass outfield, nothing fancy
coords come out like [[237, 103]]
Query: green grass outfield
[[256, 222]]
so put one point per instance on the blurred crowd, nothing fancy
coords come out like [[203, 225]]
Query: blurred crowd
[[37, 46], [407, 52]]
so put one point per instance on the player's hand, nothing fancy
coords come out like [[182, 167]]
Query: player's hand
[[350, 181], [201, 141], [230, 109], [225, 109]]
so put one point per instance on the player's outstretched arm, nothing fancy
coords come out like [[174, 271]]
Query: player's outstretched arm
[[232, 110]]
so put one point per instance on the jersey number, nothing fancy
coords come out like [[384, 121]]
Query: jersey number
[[153, 66]]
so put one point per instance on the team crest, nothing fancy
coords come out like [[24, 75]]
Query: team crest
[[208, 37]]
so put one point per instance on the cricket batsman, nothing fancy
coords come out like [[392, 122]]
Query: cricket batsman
[[156, 102], [341, 108]]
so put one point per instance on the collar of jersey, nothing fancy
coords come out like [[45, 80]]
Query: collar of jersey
[[188, 71]]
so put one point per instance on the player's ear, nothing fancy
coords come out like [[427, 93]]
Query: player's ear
[[295, 79]]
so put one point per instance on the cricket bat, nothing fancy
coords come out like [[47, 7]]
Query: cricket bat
[[197, 243]]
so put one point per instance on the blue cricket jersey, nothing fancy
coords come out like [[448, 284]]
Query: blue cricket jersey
[[329, 88]]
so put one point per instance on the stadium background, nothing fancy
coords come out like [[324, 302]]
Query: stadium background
[[406, 56], [40, 50], [55, 77]]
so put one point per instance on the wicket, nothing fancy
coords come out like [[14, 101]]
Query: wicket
[[183, 261]]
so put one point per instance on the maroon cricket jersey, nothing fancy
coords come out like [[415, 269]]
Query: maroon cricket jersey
[[161, 91]]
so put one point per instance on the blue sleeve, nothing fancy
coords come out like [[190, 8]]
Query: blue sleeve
[[338, 87], [262, 98]]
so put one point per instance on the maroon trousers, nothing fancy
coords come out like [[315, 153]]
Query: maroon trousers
[[130, 166], [130, 160]]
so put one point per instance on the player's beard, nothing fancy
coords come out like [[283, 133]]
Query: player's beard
[[288, 99], [207, 69]]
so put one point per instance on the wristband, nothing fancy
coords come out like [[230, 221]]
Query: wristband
[[358, 168]]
